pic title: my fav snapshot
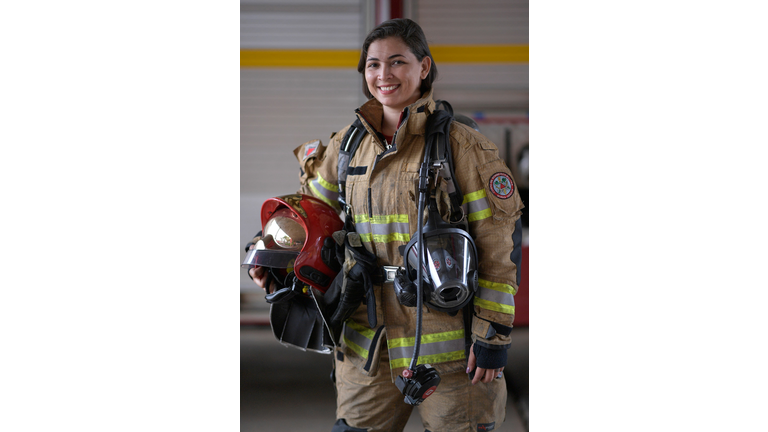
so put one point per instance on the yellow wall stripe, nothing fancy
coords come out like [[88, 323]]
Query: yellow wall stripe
[[299, 58], [480, 53], [349, 58]]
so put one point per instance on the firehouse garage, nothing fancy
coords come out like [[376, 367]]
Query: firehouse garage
[[300, 84]]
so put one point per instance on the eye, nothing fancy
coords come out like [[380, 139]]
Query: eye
[[372, 65]]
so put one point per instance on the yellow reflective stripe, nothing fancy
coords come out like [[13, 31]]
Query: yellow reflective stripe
[[382, 219], [479, 215], [428, 338], [324, 183], [365, 331], [385, 238], [319, 195], [509, 289], [434, 358], [498, 307], [474, 196], [355, 347]]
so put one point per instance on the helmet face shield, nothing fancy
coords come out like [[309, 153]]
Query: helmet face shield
[[449, 268], [267, 253], [286, 230]]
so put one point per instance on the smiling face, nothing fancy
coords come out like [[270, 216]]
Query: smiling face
[[394, 74]]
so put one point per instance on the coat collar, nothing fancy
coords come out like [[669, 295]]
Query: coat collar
[[371, 113]]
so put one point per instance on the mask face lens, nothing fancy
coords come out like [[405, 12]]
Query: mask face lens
[[285, 230], [449, 262]]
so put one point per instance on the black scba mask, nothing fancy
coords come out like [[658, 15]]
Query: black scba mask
[[449, 267]]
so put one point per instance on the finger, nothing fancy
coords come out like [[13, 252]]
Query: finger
[[472, 362], [479, 375], [490, 375]]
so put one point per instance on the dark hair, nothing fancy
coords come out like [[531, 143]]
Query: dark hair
[[412, 35]]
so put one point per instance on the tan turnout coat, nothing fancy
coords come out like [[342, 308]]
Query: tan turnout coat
[[381, 190]]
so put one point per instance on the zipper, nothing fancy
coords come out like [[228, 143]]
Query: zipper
[[388, 146]]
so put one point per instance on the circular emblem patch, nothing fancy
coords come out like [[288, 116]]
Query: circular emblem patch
[[501, 185]]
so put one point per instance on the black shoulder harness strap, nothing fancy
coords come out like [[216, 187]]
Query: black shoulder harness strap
[[349, 145]]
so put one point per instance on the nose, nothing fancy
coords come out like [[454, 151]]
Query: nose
[[384, 72]]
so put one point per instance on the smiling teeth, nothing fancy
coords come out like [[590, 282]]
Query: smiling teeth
[[389, 88]]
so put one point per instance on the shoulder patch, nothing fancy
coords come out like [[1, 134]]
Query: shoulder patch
[[310, 149], [501, 185]]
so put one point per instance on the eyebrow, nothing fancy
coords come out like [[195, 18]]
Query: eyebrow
[[392, 56]]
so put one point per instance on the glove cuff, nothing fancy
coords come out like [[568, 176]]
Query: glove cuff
[[490, 358]]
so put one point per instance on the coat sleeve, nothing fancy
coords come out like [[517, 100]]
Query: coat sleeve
[[493, 208], [318, 165]]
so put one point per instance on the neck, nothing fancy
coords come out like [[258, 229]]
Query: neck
[[389, 120]]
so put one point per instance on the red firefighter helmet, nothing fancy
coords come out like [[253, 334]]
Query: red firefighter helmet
[[294, 228]]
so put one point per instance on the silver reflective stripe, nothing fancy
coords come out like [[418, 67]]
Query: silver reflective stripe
[[496, 296], [324, 190], [358, 338], [362, 227], [324, 194], [476, 206], [428, 349], [384, 228], [394, 227]]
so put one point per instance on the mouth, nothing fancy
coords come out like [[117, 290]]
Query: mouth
[[388, 89]]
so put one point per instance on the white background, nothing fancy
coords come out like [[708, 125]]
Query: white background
[[120, 224]]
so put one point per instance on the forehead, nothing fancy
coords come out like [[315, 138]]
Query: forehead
[[384, 48]]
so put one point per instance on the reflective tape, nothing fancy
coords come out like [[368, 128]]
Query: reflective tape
[[383, 228], [476, 206], [358, 338], [327, 192], [435, 348], [496, 296]]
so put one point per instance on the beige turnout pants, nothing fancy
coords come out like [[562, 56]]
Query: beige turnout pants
[[376, 405]]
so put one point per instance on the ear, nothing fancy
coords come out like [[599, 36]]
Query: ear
[[426, 65]]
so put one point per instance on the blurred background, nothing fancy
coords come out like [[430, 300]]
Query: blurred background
[[299, 82]]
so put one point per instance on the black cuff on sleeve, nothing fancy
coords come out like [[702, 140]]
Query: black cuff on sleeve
[[490, 358]]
